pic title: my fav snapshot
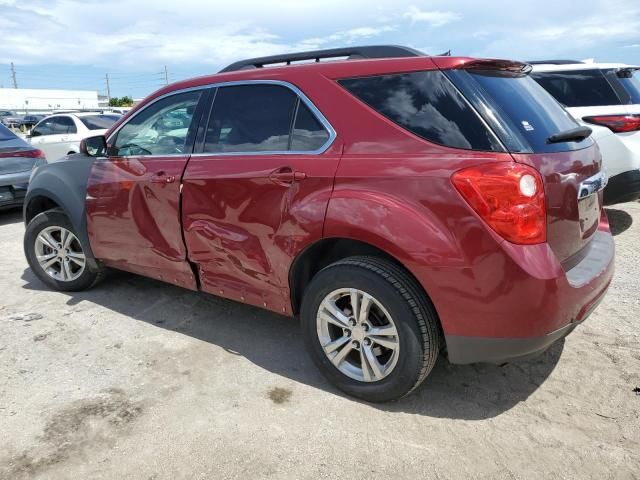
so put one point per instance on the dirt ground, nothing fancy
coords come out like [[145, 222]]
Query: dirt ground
[[137, 379]]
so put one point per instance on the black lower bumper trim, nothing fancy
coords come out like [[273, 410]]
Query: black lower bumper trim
[[12, 196], [463, 350], [624, 187]]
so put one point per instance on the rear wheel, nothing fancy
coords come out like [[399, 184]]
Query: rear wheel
[[370, 328], [55, 253]]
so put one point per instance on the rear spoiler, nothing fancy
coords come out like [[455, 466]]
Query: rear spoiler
[[626, 72], [518, 68]]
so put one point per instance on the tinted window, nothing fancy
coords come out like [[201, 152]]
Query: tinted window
[[63, 125], [529, 112], [428, 105], [162, 128], [250, 118], [308, 133], [45, 127], [99, 122], [6, 134], [581, 88], [630, 80]]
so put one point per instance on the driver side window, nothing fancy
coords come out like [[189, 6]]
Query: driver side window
[[160, 129]]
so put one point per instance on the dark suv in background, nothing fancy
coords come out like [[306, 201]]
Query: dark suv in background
[[401, 205]]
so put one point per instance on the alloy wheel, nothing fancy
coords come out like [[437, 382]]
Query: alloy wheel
[[358, 335], [60, 254]]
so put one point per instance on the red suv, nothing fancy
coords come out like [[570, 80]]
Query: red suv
[[402, 205]]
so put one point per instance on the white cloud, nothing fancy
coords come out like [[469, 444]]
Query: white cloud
[[435, 18], [96, 32], [633, 45], [201, 35], [348, 36]]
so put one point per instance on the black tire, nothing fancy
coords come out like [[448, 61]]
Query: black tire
[[412, 312], [56, 218]]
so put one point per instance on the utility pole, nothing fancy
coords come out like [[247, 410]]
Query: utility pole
[[13, 75], [106, 77], [166, 75]]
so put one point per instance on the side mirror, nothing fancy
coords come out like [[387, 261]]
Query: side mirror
[[94, 146]]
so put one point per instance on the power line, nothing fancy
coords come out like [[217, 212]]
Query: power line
[[13, 75]]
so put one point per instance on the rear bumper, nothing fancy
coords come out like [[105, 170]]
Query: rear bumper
[[525, 300], [464, 350], [13, 188], [624, 187]]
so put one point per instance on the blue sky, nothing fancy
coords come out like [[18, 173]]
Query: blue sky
[[73, 44]]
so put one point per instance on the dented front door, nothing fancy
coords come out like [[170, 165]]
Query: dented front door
[[133, 216]]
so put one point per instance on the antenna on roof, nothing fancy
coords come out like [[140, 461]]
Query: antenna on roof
[[352, 53]]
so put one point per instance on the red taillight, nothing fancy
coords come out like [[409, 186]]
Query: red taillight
[[509, 197], [35, 153], [616, 123]]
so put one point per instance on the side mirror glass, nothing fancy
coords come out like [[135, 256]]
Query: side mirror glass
[[94, 146]]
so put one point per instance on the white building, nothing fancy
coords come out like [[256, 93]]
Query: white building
[[33, 100]]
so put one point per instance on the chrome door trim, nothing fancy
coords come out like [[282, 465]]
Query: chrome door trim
[[323, 120]]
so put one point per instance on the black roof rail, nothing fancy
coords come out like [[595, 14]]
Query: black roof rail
[[369, 51], [553, 62]]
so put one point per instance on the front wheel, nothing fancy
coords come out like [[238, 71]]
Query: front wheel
[[55, 253], [370, 328]]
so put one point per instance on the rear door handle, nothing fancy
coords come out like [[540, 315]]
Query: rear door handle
[[286, 176], [162, 177]]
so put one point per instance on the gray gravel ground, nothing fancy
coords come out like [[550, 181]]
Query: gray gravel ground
[[137, 379]]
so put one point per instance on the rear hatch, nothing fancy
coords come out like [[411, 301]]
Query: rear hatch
[[538, 132]]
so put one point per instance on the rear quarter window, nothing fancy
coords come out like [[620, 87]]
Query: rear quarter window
[[578, 88], [426, 104], [630, 81]]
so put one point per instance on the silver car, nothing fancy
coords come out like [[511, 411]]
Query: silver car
[[17, 160]]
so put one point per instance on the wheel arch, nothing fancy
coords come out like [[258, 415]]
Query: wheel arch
[[37, 204], [62, 185], [327, 251]]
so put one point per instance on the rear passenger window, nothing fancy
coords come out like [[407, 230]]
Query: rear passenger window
[[250, 118], [308, 132], [262, 118], [578, 88], [426, 104], [64, 125]]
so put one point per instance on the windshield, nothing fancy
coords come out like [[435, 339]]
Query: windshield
[[630, 80], [99, 122], [5, 133], [522, 113]]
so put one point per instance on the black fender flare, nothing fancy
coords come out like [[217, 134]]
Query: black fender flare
[[65, 183]]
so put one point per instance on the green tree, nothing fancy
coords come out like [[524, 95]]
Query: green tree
[[125, 101]]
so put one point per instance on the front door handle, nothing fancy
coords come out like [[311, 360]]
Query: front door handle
[[162, 177], [286, 176]]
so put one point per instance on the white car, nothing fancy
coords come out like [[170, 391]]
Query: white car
[[606, 98], [60, 135]]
